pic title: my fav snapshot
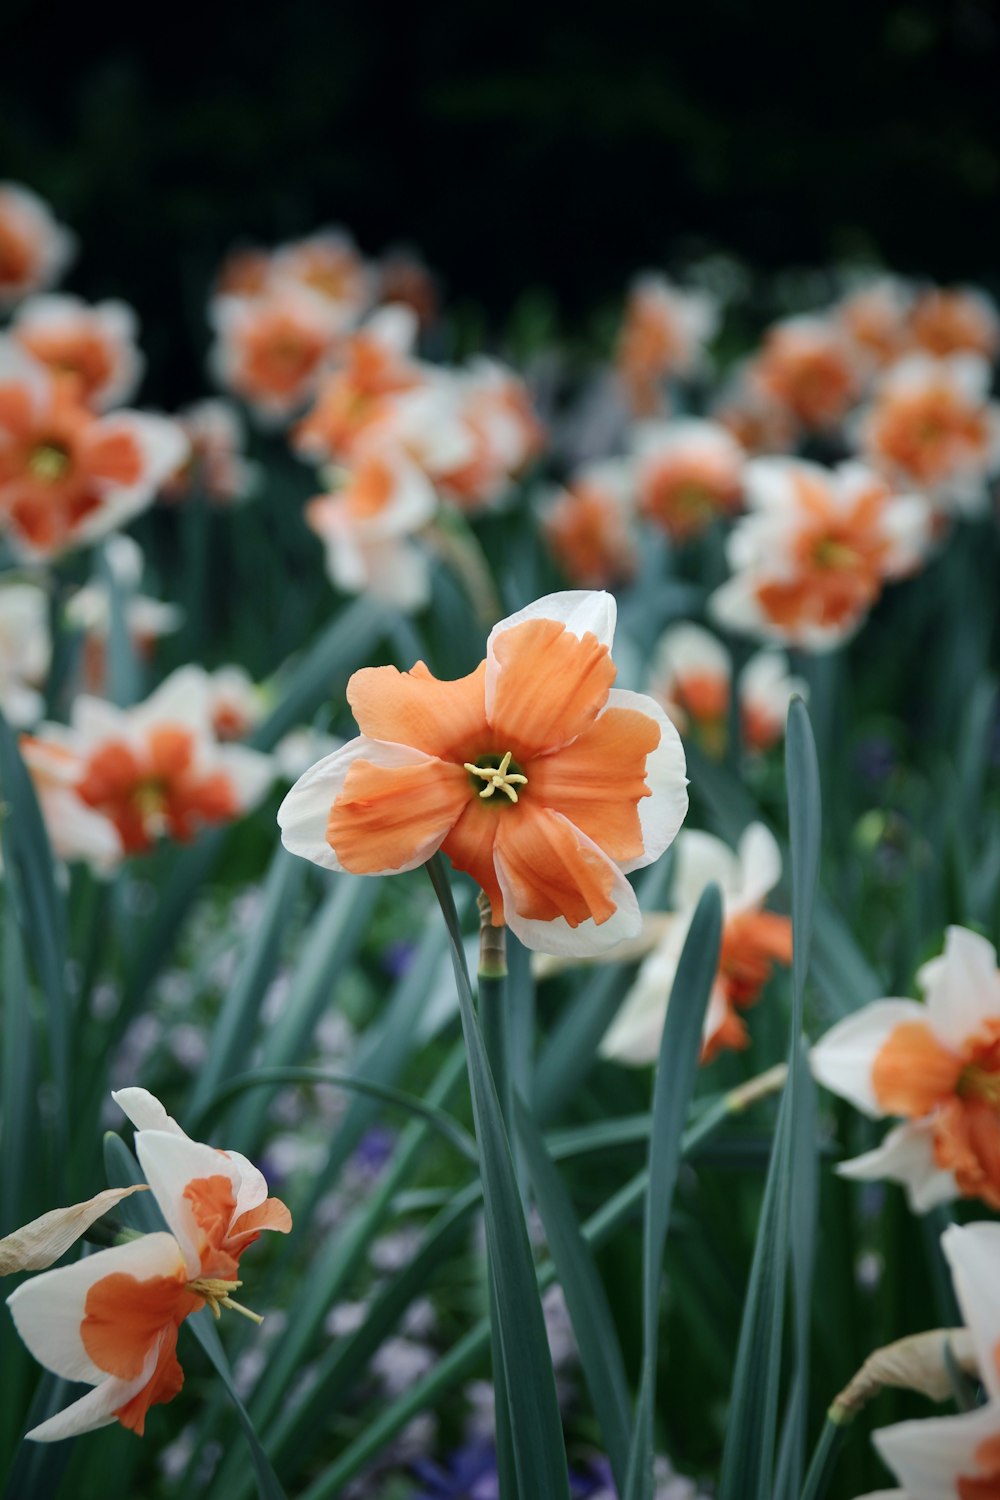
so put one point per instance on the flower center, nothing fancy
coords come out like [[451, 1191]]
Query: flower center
[[976, 1082], [216, 1293], [833, 553], [496, 772], [49, 462]]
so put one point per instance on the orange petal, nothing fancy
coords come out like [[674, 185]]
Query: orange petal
[[114, 457], [552, 872], [447, 719], [213, 1206], [967, 1143], [913, 1071], [170, 750], [271, 1214], [598, 781], [551, 686], [124, 1317], [390, 818], [164, 1384], [469, 846]]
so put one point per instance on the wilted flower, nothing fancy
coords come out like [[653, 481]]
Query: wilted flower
[[664, 334], [809, 365], [533, 774], [688, 473], [66, 475], [753, 940], [111, 1320], [931, 427], [367, 527], [935, 1064], [216, 466], [25, 650], [93, 348], [157, 770], [34, 249], [588, 525], [811, 556], [270, 350]]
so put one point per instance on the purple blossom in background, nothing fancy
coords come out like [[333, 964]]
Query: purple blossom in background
[[374, 1149], [397, 958], [875, 759]]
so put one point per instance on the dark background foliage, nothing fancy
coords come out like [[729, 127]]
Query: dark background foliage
[[519, 146]]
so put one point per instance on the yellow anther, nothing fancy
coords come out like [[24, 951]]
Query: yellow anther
[[49, 462], [216, 1293], [498, 778]]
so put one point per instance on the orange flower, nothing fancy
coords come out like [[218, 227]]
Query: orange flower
[[271, 349], [688, 473], [808, 365], [813, 552], [34, 249], [503, 432], [587, 526], [664, 334], [874, 317], [937, 1066], [372, 366], [93, 349], [329, 265], [956, 321], [66, 476], [533, 774]]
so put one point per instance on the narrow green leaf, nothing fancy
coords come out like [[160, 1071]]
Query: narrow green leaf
[[203, 1329], [535, 1422]]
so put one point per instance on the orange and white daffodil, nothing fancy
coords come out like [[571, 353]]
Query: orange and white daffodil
[[809, 365], [34, 249], [688, 473], [25, 651], [271, 350], [931, 427], [813, 552], [753, 940], [505, 435], [588, 525], [663, 335], [874, 315], [368, 526], [157, 770], [111, 1320], [373, 365], [534, 774], [692, 674], [330, 266], [957, 1458], [956, 320], [93, 348], [936, 1065], [77, 832], [215, 467], [66, 475], [756, 419]]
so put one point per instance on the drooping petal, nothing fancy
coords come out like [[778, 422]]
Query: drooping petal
[[395, 817], [973, 1252], [304, 815], [446, 719], [962, 987], [906, 1156], [843, 1060], [548, 686], [39, 1244], [598, 781], [561, 893], [98, 1408], [49, 1310]]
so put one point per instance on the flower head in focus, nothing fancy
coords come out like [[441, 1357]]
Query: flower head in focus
[[812, 554], [93, 349], [931, 427], [588, 525], [937, 1066], [688, 473], [663, 336], [753, 941], [66, 475], [111, 1320], [534, 774], [34, 249]]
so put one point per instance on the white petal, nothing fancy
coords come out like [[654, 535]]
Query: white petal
[[905, 1156], [250, 772], [252, 1190], [842, 1060], [41, 1243], [49, 1309], [170, 1162], [145, 1110], [974, 1256], [700, 858], [304, 814], [760, 868], [962, 986], [557, 936], [96, 1409], [662, 813], [930, 1456]]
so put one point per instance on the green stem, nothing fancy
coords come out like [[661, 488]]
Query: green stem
[[824, 1459]]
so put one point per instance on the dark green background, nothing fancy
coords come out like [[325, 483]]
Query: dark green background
[[519, 146]]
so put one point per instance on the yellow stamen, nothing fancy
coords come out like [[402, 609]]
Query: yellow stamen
[[216, 1293], [48, 462], [977, 1083], [498, 778]]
